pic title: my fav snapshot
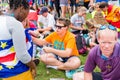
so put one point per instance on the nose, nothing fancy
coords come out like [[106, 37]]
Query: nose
[[107, 45]]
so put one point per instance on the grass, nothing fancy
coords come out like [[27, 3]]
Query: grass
[[42, 71], [43, 75]]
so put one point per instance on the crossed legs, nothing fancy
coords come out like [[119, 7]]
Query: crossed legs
[[72, 62]]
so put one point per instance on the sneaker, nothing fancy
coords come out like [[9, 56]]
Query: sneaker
[[80, 69], [69, 74]]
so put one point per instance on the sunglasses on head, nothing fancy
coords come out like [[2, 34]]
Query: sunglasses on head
[[108, 26], [59, 27]]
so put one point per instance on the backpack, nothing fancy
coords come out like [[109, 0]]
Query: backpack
[[81, 44]]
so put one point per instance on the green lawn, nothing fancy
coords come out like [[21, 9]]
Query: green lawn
[[42, 71]]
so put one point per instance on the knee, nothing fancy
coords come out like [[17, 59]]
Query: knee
[[78, 62], [43, 58]]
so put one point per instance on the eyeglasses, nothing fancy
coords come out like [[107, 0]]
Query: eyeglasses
[[108, 26], [59, 27]]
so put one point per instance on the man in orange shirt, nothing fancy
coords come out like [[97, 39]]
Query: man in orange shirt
[[63, 54]]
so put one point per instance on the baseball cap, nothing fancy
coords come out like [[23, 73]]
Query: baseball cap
[[43, 10]]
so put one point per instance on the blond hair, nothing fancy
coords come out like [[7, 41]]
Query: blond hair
[[82, 9], [108, 32], [91, 23], [99, 18]]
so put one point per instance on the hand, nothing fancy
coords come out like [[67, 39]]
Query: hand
[[48, 49], [92, 34], [33, 71], [32, 67], [34, 33]]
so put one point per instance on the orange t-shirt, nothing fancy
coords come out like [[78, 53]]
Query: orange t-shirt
[[62, 43]]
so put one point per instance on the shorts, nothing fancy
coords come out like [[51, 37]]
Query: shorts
[[73, 3], [63, 2], [23, 76], [97, 76], [63, 59]]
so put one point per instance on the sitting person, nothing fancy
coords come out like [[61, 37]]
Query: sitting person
[[46, 22], [78, 20], [64, 54], [92, 27], [105, 56]]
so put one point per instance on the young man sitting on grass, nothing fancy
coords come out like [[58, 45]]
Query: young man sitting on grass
[[64, 54]]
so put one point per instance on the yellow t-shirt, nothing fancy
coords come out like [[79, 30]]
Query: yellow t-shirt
[[68, 41]]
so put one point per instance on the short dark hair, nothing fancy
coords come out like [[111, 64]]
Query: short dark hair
[[64, 21], [14, 4], [103, 4]]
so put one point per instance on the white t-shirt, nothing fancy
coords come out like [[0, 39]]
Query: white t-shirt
[[77, 21], [48, 21]]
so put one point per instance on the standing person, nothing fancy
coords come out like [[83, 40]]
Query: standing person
[[57, 7], [15, 61], [78, 20], [63, 54], [64, 5], [106, 56]]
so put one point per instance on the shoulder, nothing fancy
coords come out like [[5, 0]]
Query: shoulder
[[75, 16], [11, 21], [50, 15], [54, 34], [95, 50], [117, 48], [70, 35]]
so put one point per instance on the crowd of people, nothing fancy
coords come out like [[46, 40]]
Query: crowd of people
[[31, 33]]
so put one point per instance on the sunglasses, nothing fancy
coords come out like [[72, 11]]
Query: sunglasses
[[59, 27], [108, 26]]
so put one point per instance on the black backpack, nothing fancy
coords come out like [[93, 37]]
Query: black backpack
[[81, 44]]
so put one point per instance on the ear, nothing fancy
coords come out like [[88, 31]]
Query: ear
[[67, 27], [98, 39]]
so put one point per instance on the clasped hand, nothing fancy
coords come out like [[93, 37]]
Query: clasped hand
[[48, 49]]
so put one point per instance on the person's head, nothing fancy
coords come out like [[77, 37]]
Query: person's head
[[103, 6], [99, 18], [35, 6], [82, 11], [44, 11], [96, 6], [107, 37], [92, 25], [50, 8], [62, 25], [20, 9]]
